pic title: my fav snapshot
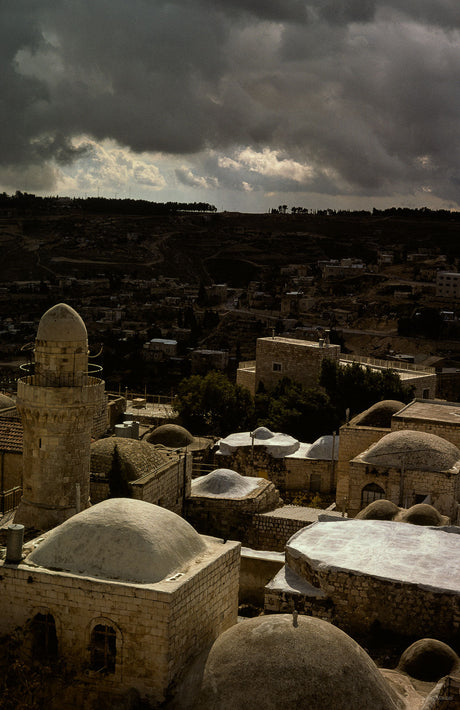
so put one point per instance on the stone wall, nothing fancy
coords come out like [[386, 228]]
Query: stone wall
[[360, 601], [301, 475], [445, 430], [300, 360], [271, 532], [288, 474], [353, 441], [116, 406], [257, 568], [159, 628], [100, 418], [231, 519], [166, 486], [402, 489]]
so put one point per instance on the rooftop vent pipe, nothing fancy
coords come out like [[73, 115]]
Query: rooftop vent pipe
[[14, 542]]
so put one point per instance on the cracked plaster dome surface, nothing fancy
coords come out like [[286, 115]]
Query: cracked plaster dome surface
[[61, 324], [121, 539], [414, 449], [224, 483], [274, 662]]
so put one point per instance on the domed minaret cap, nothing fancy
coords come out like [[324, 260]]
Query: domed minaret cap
[[61, 324]]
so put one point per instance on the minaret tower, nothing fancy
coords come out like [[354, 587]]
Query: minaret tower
[[56, 405]]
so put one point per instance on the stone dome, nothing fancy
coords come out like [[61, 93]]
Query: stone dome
[[322, 448], [136, 458], [379, 415], [378, 510], [61, 324], [225, 483], [421, 514], [429, 660], [6, 402], [171, 435], [414, 449], [121, 539], [262, 433], [277, 661]]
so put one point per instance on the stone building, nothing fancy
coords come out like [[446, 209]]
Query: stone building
[[291, 465], [301, 361], [137, 469], [57, 405], [126, 595], [223, 503], [357, 435], [407, 467], [359, 574]]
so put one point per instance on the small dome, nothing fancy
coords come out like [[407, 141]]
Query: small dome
[[61, 324], [123, 539], [276, 662], [429, 660], [171, 435], [136, 458], [378, 510], [6, 402], [225, 483], [414, 450], [379, 415], [262, 433], [422, 514], [321, 449]]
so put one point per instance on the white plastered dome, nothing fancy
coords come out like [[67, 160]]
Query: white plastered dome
[[121, 539]]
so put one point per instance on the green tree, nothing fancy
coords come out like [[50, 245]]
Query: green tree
[[214, 405], [293, 409], [357, 388]]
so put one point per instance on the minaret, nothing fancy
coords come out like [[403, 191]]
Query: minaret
[[56, 405]]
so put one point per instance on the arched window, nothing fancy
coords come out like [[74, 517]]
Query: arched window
[[44, 639], [370, 493], [103, 649]]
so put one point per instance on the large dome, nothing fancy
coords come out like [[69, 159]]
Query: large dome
[[379, 415], [277, 661], [171, 435], [61, 324], [136, 458], [413, 449], [121, 539]]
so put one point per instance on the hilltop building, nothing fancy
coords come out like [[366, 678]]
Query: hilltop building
[[301, 360]]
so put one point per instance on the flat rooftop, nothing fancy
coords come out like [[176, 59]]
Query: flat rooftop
[[300, 343], [432, 410], [399, 552]]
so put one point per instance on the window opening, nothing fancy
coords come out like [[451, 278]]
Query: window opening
[[370, 493], [44, 636], [103, 649]]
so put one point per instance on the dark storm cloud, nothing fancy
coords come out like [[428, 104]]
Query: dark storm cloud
[[362, 92]]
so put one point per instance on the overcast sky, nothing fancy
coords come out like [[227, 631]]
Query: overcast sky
[[247, 104]]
